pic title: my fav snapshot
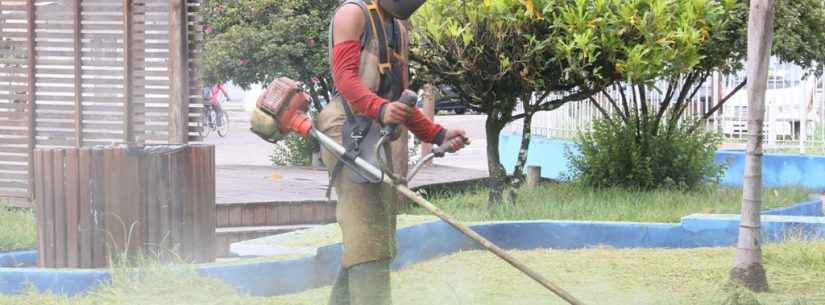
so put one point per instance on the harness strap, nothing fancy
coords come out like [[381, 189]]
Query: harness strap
[[384, 52], [352, 151]]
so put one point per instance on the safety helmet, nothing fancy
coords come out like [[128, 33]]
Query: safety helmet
[[401, 9]]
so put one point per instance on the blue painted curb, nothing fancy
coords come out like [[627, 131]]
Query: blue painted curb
[[19, 259], [435, 239], [778, 170], [808, 208]]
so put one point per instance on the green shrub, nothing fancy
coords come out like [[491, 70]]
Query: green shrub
[[294, 151], [18, 229], [636, 155]]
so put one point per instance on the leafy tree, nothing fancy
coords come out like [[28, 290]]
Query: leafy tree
[[644, 48], [254, 41], [495, 55], [649, 46], [657, 54]]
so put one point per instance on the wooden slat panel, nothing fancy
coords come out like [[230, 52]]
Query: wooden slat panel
[[13, 167], [49, 220], [116, 225], [194, 160], [85, 211], [98, 202], [177, 197], [10, 149], [58, 35], [20, 176], [152, 211], [41, 183], [164, 197], [59, 208], [11, 140], [30, 88], [133, 199], [72, 211], [212, 213], [187, 239]]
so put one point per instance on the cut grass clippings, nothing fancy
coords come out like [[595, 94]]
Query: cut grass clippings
[[598, 276], [574, 202], [18, 229]]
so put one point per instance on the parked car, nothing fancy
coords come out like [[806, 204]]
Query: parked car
[[446, 99], [449, 100]]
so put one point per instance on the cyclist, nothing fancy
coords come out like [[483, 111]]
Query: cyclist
[[211, 101]]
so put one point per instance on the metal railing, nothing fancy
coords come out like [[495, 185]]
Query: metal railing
[[794, 118]]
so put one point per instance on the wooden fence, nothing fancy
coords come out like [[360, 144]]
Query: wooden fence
[[96, 204], [77, 73]]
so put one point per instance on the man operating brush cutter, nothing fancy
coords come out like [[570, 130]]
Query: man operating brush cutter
[[369, 51]]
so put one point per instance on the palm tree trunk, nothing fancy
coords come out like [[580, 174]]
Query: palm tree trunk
[[747, 268]]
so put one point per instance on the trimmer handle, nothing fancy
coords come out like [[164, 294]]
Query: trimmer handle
[[445, 148], [409, 98]]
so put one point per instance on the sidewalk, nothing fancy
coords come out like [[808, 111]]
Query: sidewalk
[[245, 175], [250, 184]]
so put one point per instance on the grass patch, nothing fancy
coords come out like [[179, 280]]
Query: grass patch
[[566, 202], [796, 271], [576, 202], [18, 229]]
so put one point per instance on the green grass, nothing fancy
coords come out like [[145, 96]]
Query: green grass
[[598, 276], [18, 229], [575, 202], [551, 201], [564, 202]]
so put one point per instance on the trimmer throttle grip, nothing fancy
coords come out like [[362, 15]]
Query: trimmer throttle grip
[[447, 147], [409, 98]]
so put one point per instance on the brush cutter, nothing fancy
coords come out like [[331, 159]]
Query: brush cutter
[[282, 110]]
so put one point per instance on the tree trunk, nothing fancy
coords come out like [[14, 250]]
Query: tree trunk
[[518, 172], [498, 175], [747, 269]]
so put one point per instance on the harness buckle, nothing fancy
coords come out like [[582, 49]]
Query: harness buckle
[[384, 67], [357, 134]]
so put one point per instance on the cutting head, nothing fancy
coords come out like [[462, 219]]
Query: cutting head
[[281, 110]]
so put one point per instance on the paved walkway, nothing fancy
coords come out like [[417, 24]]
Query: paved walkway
[[245, 174], [259, 184]]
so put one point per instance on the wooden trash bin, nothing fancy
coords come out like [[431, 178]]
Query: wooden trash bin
[[102, 203]]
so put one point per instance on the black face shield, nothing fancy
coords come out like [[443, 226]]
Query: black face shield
[[401, 9]]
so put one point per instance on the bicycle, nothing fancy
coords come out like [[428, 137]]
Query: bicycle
[[207, 123]]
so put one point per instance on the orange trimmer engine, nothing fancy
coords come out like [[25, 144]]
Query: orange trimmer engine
[[281, 110]]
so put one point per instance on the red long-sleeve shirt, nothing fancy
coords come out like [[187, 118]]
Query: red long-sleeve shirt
[[346, 57]]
